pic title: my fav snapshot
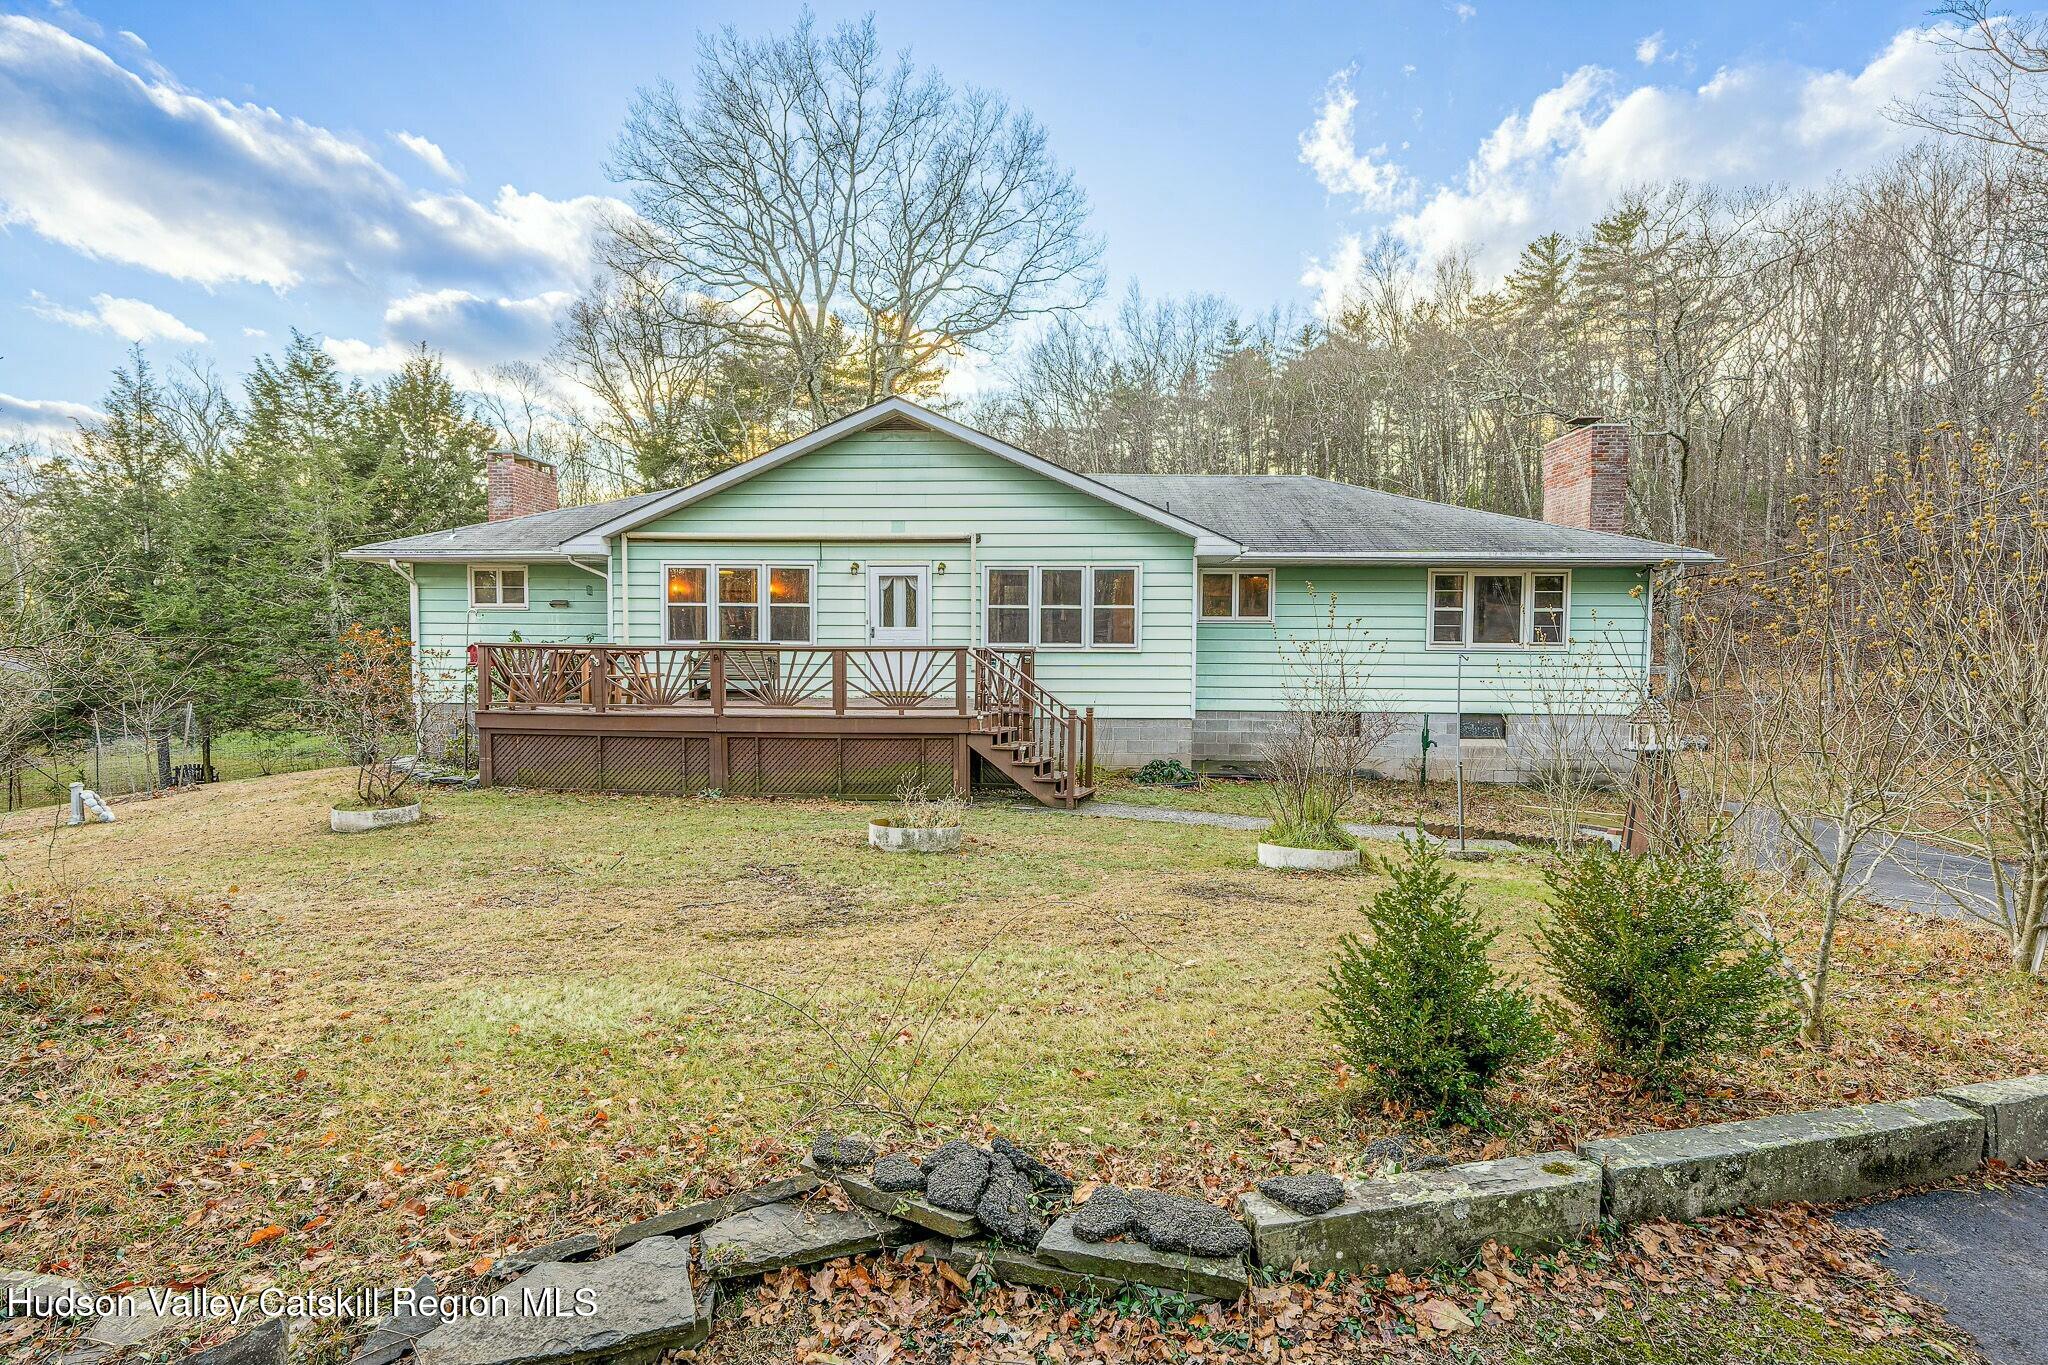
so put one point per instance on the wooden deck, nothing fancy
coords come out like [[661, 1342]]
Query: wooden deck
[[775, 720]]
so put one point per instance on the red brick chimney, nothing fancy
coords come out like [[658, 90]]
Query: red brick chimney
[[1585, 475], [517, 484]]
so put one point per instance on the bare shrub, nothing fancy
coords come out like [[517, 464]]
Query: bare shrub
[[1324, 743]]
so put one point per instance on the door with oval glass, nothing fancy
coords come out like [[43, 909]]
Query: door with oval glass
[[899, 604]]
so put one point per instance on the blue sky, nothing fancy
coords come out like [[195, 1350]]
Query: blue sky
[[202, 178]]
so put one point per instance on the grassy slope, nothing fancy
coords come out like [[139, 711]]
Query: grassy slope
[[521, 1016]]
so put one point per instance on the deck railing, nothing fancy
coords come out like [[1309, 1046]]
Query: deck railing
[[1054, 734], [718, 678]]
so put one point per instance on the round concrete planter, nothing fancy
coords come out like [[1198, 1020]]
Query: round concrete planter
[[363, 821], [1288, 859], [895, 839]]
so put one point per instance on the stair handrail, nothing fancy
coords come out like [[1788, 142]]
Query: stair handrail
[[1051, 728]]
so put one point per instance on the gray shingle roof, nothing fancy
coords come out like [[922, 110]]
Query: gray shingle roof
[[1299, 516], [539, 533], [1289, 515]]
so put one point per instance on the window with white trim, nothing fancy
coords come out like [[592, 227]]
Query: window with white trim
[[789, 604], [1113, 607], [1237, 594], [1495, 609], [737, 603], [1059, 606], [1009, 607], [497, 585]]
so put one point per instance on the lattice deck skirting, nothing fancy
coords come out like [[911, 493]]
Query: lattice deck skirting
[[768, 764]]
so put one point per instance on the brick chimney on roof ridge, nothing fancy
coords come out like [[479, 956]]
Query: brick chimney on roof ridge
[[1585, 475], [517, 485]]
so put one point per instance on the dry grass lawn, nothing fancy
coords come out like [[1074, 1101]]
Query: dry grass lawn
[[243, 1049]]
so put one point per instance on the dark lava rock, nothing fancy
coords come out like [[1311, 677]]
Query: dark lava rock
[[1382, 1150], [1304, 1193], [1107, 1213], [897, 1174], [956, 1185], [947, 1152], [1043, 1178], [1005, 1209], [1169, 1222], [835, 1153]]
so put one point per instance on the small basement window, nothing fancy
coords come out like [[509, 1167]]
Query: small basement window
[[1482, 728], [497, 585]]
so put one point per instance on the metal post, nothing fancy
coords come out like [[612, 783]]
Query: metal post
[[1461, 750]]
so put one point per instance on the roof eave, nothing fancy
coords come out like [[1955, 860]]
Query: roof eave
[[372, 554], [1454, 556]]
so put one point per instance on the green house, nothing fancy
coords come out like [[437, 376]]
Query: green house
[[896, 592]]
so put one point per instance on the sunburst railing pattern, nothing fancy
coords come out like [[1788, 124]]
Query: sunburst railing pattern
[[719, 678]]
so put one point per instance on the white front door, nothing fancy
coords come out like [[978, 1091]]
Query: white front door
[[899, 604]]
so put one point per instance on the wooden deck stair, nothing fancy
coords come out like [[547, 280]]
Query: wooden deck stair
[[1031, 737]]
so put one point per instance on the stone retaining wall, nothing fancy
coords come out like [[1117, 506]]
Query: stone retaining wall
[[1017, 1223]]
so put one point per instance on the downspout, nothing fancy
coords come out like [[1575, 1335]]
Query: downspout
[[606, 574], [412, 626]]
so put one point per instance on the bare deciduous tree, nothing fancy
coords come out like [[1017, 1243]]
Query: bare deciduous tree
[[852, 215]]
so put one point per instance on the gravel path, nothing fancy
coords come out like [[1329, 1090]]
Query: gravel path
[[1164, 815], [1982, 1254]]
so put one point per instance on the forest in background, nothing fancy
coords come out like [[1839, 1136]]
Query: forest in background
[[1763, 345]]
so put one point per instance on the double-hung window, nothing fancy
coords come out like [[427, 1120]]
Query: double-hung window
[[1061, 606], [737, 603], [1482, 609], [1237, 594], [497, 585]]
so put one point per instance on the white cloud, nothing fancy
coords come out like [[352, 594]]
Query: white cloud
[[472, 332], [129, 319], [430, 152], [1560, 161], [1329, 147], [254, 332], [1650, 48], [1465, 13], [36, 419], [134, 168]]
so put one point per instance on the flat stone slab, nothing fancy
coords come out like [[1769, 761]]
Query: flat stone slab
[[1417, 1219], [267, 1343], [755, 1241], [632, 1305], [1202, 1277], [1814, 1158], [705, 1212], [910, 1205], [576, 1248], [32, 1294], [412, 1317], [2015, 1116], [1007, 1265]]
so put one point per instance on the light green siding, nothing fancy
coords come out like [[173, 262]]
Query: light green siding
[[448, 625], [1380, 618], [869, 498]]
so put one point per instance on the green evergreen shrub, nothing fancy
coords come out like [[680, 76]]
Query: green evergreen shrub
[[1654, 956], [1417, 1006]]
